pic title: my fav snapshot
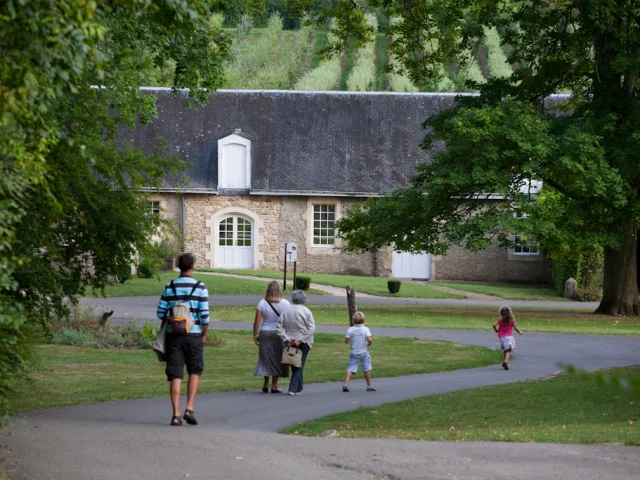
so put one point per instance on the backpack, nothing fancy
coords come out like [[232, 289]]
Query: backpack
[[181, 321]]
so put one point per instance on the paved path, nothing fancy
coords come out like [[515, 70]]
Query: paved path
[[237, 437]]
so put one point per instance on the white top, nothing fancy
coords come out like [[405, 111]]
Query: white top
[[358, 335], [269, 317]]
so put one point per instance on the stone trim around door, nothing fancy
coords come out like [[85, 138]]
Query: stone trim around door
[[212, 239]]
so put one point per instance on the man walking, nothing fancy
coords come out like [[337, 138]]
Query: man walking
[[185, 348]]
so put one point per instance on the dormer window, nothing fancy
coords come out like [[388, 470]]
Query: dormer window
[[234, 162]]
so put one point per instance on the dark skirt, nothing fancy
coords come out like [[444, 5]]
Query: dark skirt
[[270, 354]]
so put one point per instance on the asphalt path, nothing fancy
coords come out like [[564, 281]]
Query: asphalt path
[[237, 437]]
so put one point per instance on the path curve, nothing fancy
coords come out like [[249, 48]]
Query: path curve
[[237, 437]]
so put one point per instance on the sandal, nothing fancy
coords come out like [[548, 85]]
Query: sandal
[[190, 417], [265, 389], [175, 421], [276, 390]]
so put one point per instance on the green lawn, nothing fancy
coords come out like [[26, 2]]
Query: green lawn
[[511, 292], [371, 285], [76, 375], [216, 284], [459, 318], [559, 410]]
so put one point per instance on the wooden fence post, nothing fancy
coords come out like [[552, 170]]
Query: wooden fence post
[[351, 303]]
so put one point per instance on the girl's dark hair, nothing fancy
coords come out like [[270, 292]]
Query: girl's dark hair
[[506, 314]]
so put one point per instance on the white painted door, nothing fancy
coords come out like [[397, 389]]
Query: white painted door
[[409, 265], [235, 243]]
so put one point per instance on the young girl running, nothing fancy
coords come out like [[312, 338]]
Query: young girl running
[[504, 327]]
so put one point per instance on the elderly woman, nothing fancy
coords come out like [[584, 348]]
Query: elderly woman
[[295, 328], [264, 335]]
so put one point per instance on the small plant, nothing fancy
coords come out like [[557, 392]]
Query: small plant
[[148, 334], [590, 293], [147, 269], [394, 286], [69, 336], [302, 283]]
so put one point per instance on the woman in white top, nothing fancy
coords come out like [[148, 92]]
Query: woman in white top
[[268, 341]]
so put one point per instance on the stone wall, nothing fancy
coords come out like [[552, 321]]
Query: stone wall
[[287, 219], [491, 265]]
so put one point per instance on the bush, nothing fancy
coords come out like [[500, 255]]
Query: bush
[[69, 336], [147, 269], [302, 283], [561, 270], [394, 286], [590, 293]]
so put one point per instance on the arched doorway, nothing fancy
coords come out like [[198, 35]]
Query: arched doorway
[[235, 242]]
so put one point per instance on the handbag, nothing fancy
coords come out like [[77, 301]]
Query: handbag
[[159, 344], [292, 356]]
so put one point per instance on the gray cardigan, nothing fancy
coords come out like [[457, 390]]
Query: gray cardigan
[[296, 323]]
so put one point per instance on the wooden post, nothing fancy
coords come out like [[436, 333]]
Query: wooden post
[[294, 274], [351, 303], [284, 287]]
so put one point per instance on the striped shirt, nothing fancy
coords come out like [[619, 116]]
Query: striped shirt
[[198, 303]]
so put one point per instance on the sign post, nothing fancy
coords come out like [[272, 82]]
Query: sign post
[[290, 255]]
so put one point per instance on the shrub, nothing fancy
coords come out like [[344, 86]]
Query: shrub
[[325, 76], [561, 270], [69, 336], [363, 74], [469, 70], [303, 283], [394, 286], [147, 269], [590, 293]]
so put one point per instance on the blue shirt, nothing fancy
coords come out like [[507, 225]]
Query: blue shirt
[[198, 302]]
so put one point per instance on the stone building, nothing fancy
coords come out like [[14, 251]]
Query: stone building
[[270, 167]]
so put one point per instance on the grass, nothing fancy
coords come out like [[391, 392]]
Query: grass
[[321, 41], [382, 59], [348, 64], [460, 318], [216, 284], [511, 292], [371, 285], [76, 375], [559, 410]]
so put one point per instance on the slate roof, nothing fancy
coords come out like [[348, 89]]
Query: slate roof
[[331, 143]]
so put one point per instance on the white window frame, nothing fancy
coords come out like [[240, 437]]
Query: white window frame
[[230, 140], [328, 207], [528, 245], [155, 207]]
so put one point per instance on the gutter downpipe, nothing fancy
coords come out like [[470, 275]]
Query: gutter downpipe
[[182, 229]]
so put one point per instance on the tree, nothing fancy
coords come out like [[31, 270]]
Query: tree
[[70, 212], [584, 147]]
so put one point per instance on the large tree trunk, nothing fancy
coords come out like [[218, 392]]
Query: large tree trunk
[[620, 284]]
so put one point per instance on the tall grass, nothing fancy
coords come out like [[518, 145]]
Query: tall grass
[[497, 62], [362, 77]]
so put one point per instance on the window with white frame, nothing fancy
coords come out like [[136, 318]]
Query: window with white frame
[[155, 207], [324, 225], [523, 245]]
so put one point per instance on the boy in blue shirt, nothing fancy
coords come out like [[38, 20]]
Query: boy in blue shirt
[[359, 337]]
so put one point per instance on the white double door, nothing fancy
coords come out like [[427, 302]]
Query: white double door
[[410, 265], [235, 243]]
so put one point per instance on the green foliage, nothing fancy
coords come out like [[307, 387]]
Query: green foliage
[[394, 286], [497, 62], [253, 64], [561, 271], [362, 77], [323, 77], [147, 269], [69, 336], [303, 283], [70, 211], [582, 147], [469, 76]]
